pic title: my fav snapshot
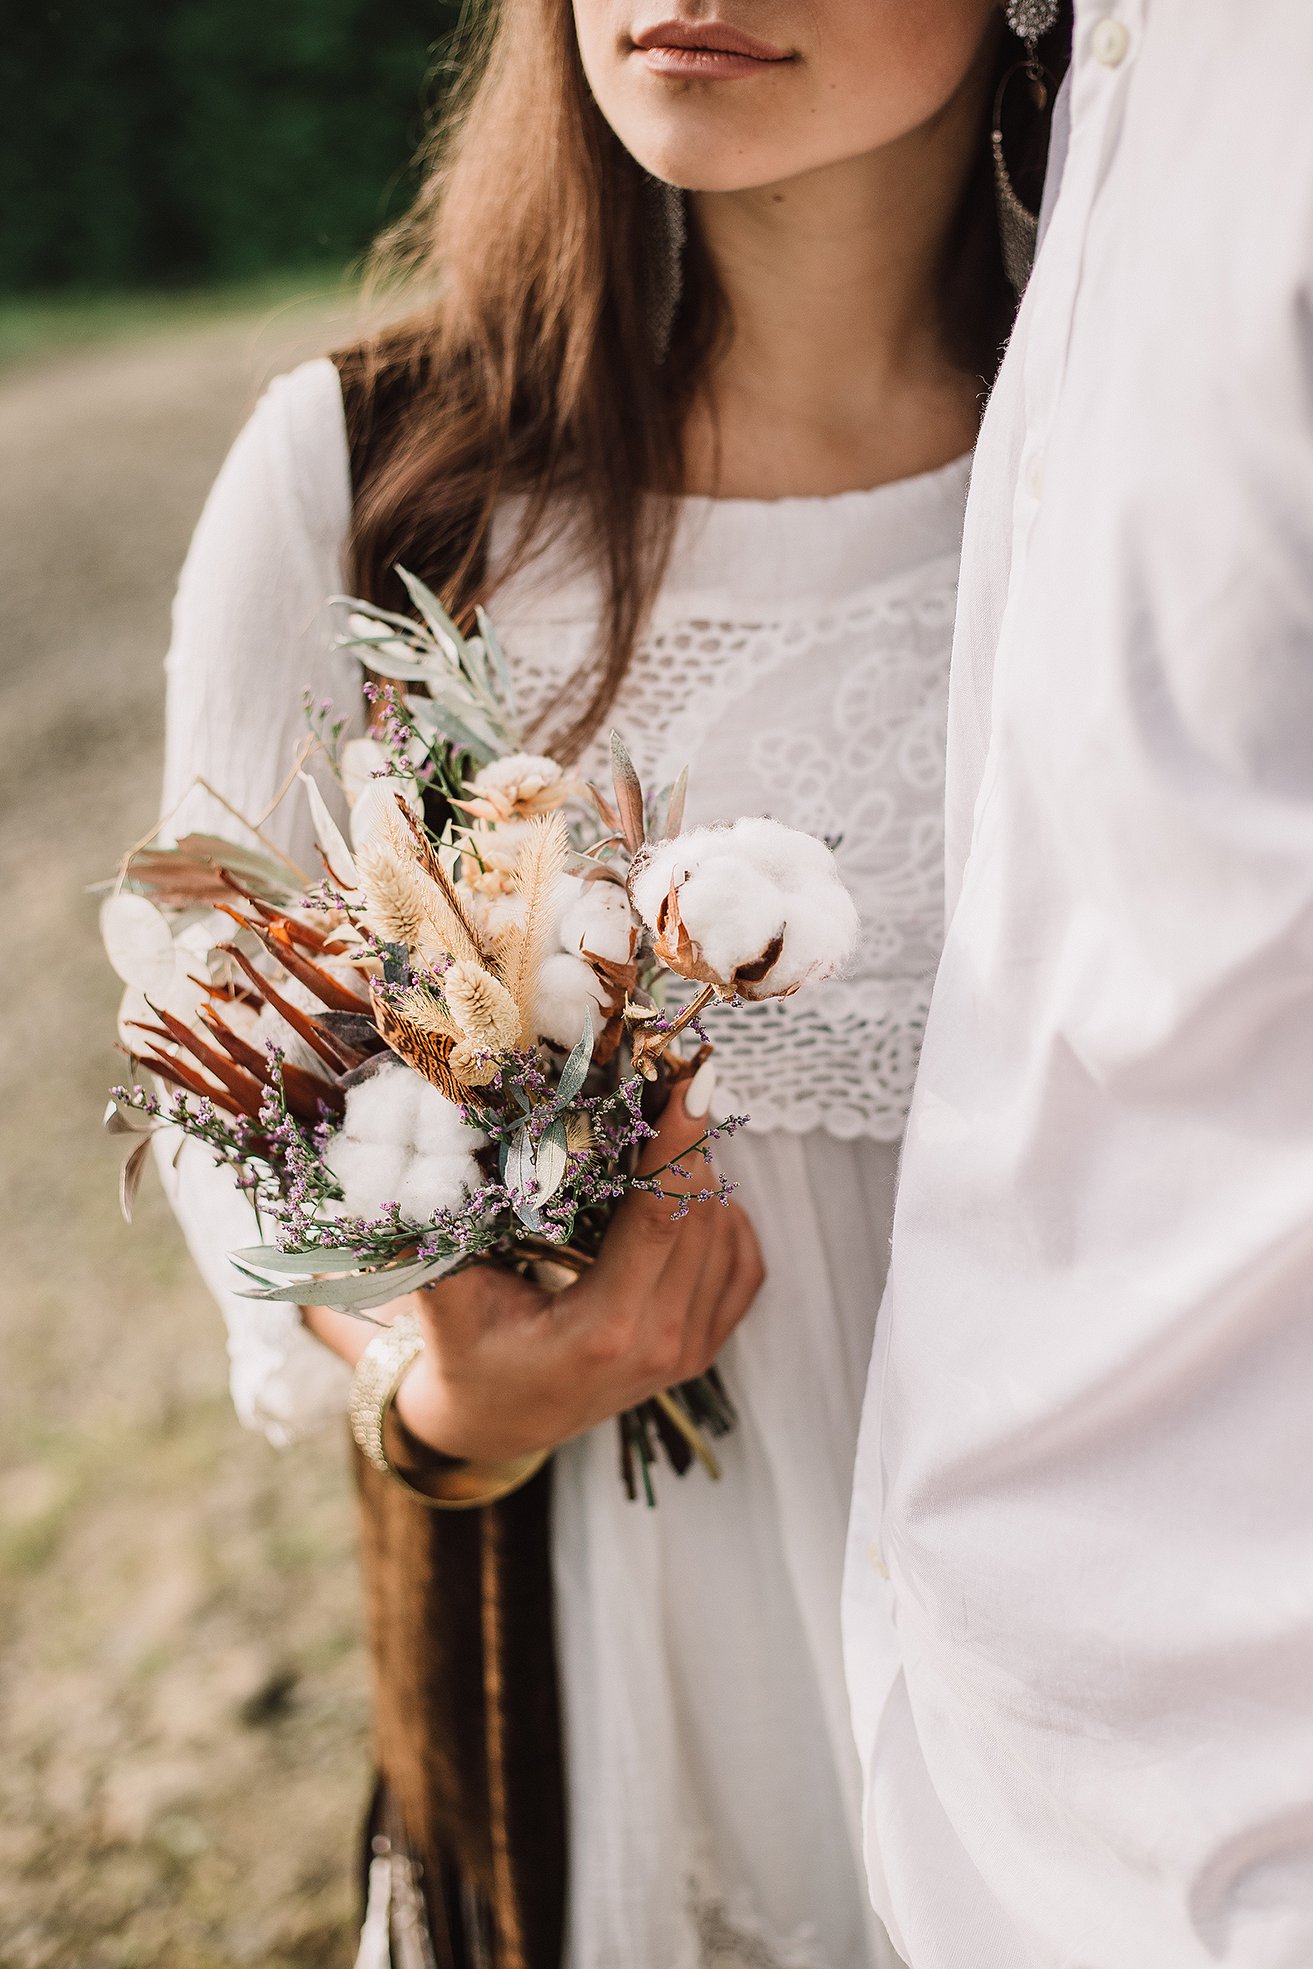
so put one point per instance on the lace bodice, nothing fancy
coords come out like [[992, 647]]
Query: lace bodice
[[797, 662]]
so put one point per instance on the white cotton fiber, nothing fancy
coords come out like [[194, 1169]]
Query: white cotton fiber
[[494, 914], [568, 991], [435, 1182], [439, 1129], [384, 1107], [371, 1173], [402, 1142], [731, 911], [786, 855], [821, 936], [668, 861], [739, 887], [597, 918]]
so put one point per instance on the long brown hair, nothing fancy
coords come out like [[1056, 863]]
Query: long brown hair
[[532, 370]]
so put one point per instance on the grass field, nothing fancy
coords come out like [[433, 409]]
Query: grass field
[[182, 1691]]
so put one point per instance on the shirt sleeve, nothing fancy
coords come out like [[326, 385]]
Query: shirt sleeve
[[252, 634]]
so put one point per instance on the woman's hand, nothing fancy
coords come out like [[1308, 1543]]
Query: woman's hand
[[509, 1368]]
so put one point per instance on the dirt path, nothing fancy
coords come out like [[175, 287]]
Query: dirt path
[[182, 1694]]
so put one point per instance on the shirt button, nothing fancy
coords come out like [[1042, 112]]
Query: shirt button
[[1109, 42]]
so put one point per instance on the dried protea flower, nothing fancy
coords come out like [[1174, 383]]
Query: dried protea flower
[[487, 858], [517, 788], [754, 910]]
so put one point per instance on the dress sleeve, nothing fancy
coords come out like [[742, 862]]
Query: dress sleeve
[[251, 635]]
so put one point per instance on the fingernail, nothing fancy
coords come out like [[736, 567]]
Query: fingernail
[[698, 1093]]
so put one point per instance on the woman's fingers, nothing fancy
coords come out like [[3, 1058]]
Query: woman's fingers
[[677, 1133], [730, 1280], [645, 1229]]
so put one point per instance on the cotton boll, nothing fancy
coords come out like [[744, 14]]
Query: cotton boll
[[737, 891], [402, 1142], [435, 1182], [667, 862], [439, 1129], [371, 1174], [786, 855], [731, 911], [384, 1107], [821, 936], [569, 991], [598, 919]]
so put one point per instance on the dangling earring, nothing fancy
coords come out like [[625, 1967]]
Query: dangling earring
[[1018, 226], [668, 235]]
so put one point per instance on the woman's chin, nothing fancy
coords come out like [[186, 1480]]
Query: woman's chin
[[704, 156]]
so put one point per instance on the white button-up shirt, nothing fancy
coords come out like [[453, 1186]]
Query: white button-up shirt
[[1079, 1605]]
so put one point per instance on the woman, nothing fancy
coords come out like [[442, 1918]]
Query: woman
[[705, 459]]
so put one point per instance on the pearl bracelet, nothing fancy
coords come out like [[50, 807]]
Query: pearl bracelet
[[457, 1486]]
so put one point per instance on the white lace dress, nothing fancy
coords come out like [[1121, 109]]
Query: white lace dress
[[797, 661]]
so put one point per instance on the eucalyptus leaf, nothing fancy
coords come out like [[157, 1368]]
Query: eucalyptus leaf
[[476, 669], [628, 795], [550, 1161], [575, 1071], [445, 633], [464, 726], [256, 869], [298, 1264], [501, 669], [394, 660], [520, 1171], [406, 623], [366, 1289]]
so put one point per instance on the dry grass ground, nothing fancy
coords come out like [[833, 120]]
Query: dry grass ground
[[182, 1694]]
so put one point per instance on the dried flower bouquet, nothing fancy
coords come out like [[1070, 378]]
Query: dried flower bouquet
[[450, 1047]]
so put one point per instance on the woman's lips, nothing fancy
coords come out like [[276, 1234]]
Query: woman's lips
[[706, 49]]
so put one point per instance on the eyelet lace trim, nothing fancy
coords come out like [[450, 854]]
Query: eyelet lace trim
[[831, 723]]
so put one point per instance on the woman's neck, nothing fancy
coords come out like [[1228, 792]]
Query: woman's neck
[[836, 374]]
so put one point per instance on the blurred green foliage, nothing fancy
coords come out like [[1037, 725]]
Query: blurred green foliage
[[148, 142]]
